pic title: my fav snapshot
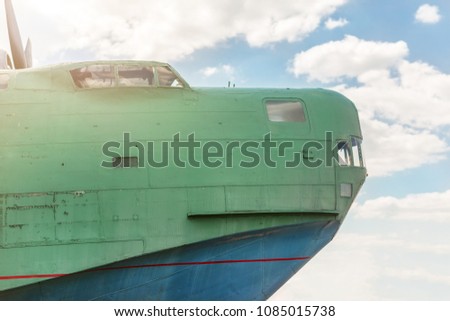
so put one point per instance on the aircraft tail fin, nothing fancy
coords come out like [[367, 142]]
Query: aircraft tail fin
[[20, 57], [5, 60], [28, 54]]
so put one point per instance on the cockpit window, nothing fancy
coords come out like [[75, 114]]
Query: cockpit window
[[350, 153], [285, 110], [135, 76], [357, 152], [344, 155], [166, 78], [4, 80], [126, 75], [94, 76]]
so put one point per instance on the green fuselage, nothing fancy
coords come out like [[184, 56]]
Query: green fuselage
[[64, 212]]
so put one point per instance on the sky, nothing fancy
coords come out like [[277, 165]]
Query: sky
[[392, 58]]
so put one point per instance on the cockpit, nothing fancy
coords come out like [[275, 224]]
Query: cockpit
[[107, 75]]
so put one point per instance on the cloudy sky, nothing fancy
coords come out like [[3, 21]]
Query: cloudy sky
[[392, 58]]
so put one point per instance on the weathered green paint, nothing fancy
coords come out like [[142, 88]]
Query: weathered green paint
[[61, 212]]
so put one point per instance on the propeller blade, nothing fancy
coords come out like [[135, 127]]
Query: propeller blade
[[28, 55], [15, 41]]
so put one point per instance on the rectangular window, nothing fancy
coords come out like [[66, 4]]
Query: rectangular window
[[135, 76], [346, 190], [344, 155], [94, 76], [357, 152], [285, 110]]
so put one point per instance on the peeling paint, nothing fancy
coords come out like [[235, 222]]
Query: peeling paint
[[29, 207], [17, 226]]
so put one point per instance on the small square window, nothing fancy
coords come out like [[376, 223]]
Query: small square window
[[285, 110], [346, 190]]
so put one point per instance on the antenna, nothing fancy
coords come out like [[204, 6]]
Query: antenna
[[229, 85]]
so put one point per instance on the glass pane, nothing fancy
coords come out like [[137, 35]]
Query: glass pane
[[94, 76], [285, 111], [344, 154], [135, 76], [357, 152], [346, 190], [167, 78]]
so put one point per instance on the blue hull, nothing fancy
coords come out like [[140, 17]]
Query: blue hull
[[245, 266]]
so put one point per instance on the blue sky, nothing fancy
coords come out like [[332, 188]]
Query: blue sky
[[390, 57], [383, 20]]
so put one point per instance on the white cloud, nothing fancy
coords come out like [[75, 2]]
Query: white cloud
[[367, 266], [396, 243], [163, 30], [209, 71], [417, 95], [341, 271], [391, 148], [429, 207], [401, 116], [228, 69], [418, 274], [331, 24], [402, 104], [349, 57], [428, 14], [222, 70]]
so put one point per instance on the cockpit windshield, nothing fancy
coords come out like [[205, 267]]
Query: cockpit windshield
[[166, 78], [350, 153], [125, 75], [357, 152], [135, 76], [93, 76], [344, 155]]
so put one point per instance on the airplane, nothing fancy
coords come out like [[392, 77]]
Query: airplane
[[120, 181]]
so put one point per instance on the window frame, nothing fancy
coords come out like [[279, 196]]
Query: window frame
[[177, 77], [348, 153], [115, 70], [118, 77], [360, 155], [286, 99]]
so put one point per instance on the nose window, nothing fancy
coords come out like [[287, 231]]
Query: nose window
[[350, 153], [357, 152], [344, 155]]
